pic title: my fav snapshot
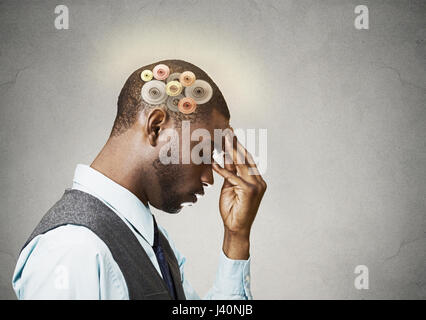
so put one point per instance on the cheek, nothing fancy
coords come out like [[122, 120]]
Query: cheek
[[190, 176]]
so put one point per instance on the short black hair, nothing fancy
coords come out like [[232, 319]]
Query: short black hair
[[130, 102]]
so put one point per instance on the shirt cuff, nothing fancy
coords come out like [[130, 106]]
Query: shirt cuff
[[233, 277]]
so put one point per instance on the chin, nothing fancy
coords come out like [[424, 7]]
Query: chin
[[176, 204], [168, 207], [178, 208], [175, 210], [172, 209]]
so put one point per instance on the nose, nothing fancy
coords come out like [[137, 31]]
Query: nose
[[207, 176]]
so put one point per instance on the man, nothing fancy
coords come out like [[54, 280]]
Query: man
[[100, 240]]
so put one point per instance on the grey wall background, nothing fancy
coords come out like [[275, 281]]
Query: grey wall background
[[345, 112]]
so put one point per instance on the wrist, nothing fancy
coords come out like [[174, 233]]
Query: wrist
[[236, 245]]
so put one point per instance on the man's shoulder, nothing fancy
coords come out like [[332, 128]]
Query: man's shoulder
[[70, 252], [69, 237]]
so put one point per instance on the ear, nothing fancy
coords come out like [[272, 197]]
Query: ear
[[155, 122]]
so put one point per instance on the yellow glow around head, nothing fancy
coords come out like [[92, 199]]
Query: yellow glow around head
[[238, 73]]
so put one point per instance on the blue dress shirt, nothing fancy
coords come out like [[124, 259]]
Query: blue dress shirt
[[71, 262]]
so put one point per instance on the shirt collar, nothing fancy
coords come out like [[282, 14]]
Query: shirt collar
[[116, 196]]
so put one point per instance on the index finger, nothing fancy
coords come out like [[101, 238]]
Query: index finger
[[242, 159], [248, 159]]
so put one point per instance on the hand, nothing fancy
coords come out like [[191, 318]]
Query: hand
[[240, 197]]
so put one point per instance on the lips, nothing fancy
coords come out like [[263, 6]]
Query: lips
[[193, 197], [197, 195]]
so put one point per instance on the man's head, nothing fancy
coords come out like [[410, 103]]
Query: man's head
[[141, 131], [130, 103]]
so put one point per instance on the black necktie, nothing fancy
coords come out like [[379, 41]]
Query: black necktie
[[162, 262]]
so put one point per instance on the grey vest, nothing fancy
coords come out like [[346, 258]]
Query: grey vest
[[142, 279]]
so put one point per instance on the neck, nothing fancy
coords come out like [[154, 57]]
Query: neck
[[119, 162]]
